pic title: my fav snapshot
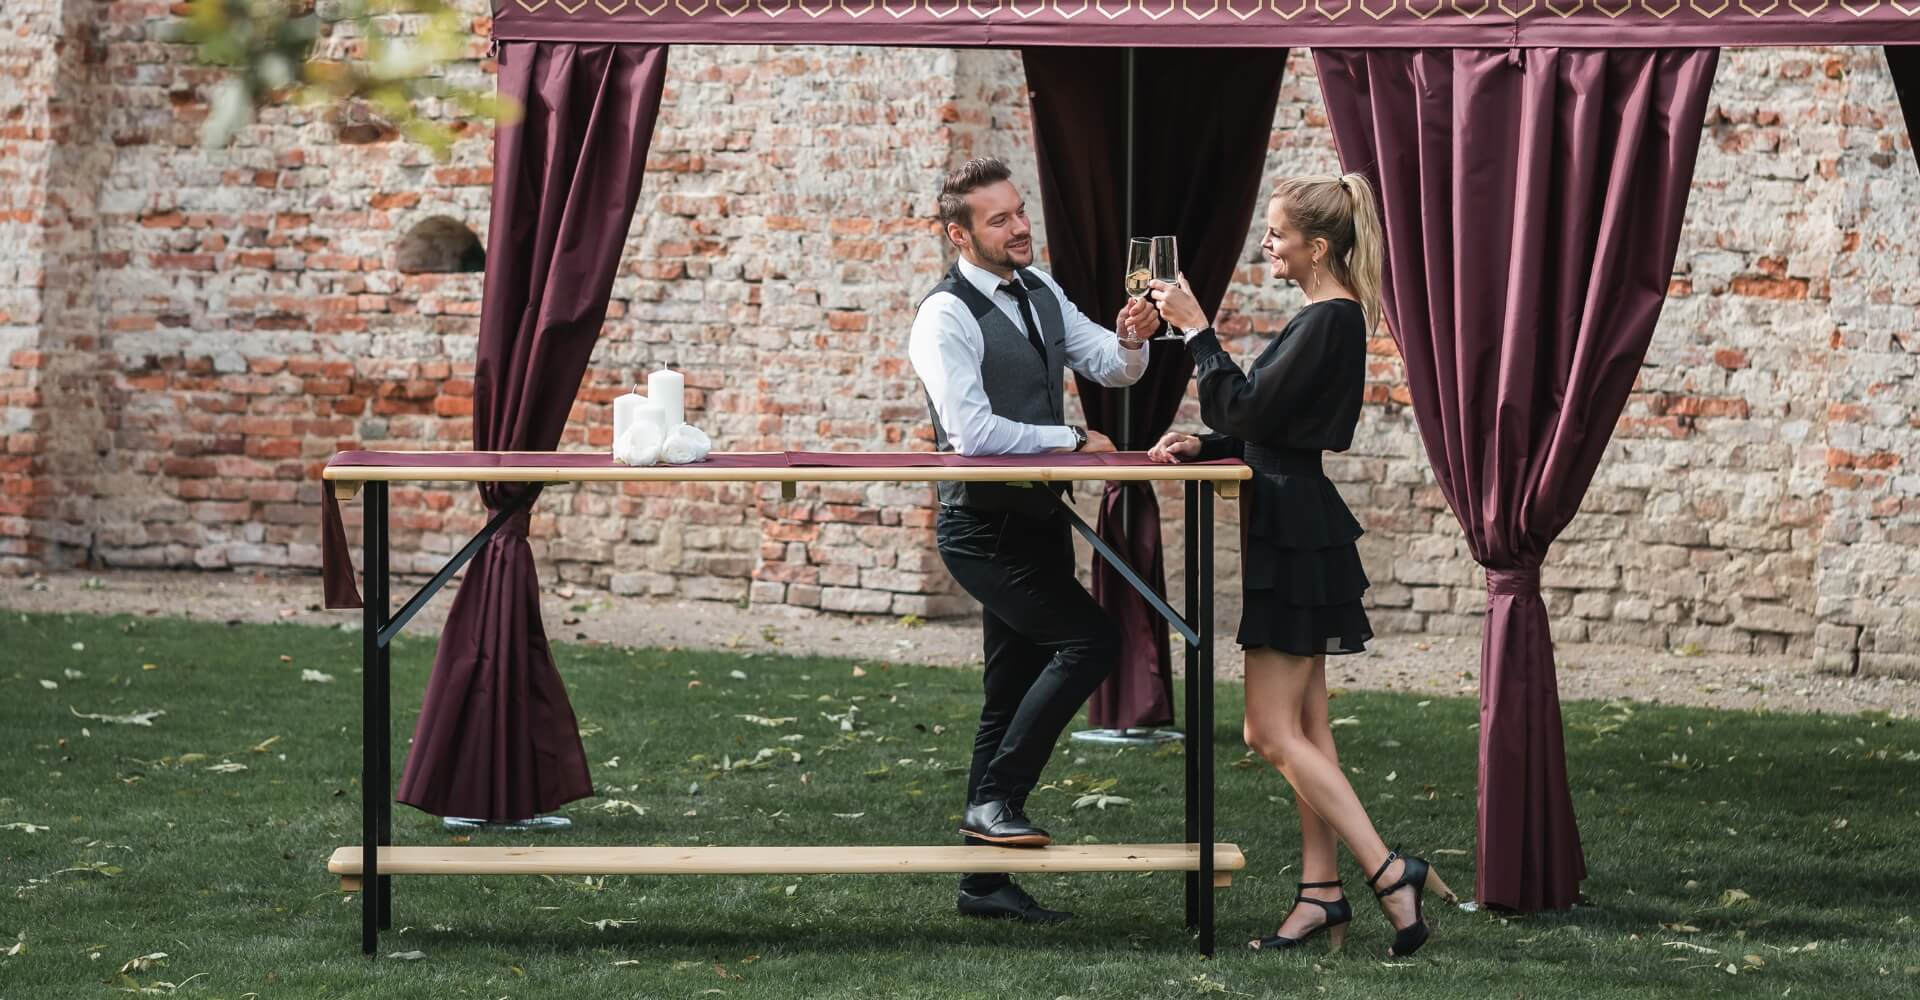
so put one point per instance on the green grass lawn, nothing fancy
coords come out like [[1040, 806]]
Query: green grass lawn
[[1731, 853]]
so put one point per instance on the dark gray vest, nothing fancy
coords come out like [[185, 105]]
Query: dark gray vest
[[1021, 386]]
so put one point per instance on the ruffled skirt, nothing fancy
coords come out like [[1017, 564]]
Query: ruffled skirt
[[1302, 575]]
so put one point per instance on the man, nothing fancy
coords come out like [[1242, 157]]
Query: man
[[989, 344]]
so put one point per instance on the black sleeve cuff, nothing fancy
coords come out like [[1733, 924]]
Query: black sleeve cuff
[[1214, 447], [1205, 346]]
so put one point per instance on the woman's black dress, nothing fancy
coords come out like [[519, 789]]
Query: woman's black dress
[[1302, 573]]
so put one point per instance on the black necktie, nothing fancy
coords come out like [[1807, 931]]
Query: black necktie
[[1019, 293]]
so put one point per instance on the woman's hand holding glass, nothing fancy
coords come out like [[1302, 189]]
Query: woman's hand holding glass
[[1178, 306]]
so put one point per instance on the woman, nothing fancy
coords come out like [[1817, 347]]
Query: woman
[[1303, 578]]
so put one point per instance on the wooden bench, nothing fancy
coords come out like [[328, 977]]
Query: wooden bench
[[784, 860]]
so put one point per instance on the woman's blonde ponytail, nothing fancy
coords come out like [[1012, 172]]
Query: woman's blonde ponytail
[[1369, 249]]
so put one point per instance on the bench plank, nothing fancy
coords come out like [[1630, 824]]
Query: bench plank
[[815, 860]]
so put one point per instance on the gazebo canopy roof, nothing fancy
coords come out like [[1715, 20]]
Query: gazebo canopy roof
[[1229, 23]]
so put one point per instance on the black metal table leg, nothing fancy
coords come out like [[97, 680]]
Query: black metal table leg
[[1191, 758], [381, 627], [1200, 744], [374, 787], [383, 687]]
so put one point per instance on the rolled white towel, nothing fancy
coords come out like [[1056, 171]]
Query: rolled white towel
[[685, 444], [640, 445]]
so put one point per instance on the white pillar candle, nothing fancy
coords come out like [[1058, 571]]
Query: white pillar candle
[[669, 389], [625, 407]]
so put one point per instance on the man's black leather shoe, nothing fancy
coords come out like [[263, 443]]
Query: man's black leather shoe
[[1000, 823], [1009, 902]]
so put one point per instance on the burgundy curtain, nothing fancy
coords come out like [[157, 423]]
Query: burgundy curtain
[[1199, 182], [1904, 62], [1532, 202], [497, 737]]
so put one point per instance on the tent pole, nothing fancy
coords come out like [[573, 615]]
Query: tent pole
[[1124, 439]]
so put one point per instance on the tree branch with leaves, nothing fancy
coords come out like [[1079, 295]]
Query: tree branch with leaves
[[386, 58]]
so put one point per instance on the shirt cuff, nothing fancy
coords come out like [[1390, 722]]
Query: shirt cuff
[[1060, 436], [1134, 359]]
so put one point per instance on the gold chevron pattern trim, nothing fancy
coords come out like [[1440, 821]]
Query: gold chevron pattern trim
[[1226, 12]]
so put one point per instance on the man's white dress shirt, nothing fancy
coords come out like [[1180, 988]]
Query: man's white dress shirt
[[947, 351]]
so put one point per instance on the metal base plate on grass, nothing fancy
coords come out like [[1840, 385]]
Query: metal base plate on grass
[[1128, 737], [538, 824]]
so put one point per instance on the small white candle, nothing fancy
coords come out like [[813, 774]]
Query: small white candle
[[633, 406], [669, 389], [653, 412]]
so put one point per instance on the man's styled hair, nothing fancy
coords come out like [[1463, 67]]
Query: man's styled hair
[[963, 180]]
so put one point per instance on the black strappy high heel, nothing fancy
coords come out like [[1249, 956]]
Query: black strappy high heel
[[1420, 876], [1339, 915]]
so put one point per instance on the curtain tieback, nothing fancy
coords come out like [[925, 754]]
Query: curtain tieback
[[1513, 582], [516, 526]]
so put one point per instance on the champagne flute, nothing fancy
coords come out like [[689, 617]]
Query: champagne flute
[[1165, 266], [1139, 267]]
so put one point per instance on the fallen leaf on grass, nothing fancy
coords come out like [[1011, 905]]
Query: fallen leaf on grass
[[835, 815], [1734, 896], [93, 867], [316, 677], [859, 672], [136, 719], [1690, 946], [25, 827], [626, 963], [616, 807], [159, 988], [49, 685], [227, 767], [608, 924], [761, 720], [261, 747], [1345, 720], [141, 963], [1101, 800], [1681, 928], [738, 675], [408, 956]]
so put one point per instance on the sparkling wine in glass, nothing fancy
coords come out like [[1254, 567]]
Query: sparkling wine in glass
[[1164, 263], [1139, 267]]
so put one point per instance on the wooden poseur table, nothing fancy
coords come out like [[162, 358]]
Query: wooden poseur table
[[370, 868]]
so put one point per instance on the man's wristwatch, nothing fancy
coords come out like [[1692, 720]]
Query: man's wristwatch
[[1079, 437]]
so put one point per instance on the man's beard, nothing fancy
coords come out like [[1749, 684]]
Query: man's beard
[[1000, 257]]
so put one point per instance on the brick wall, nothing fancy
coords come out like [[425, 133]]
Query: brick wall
[[188, 333]]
